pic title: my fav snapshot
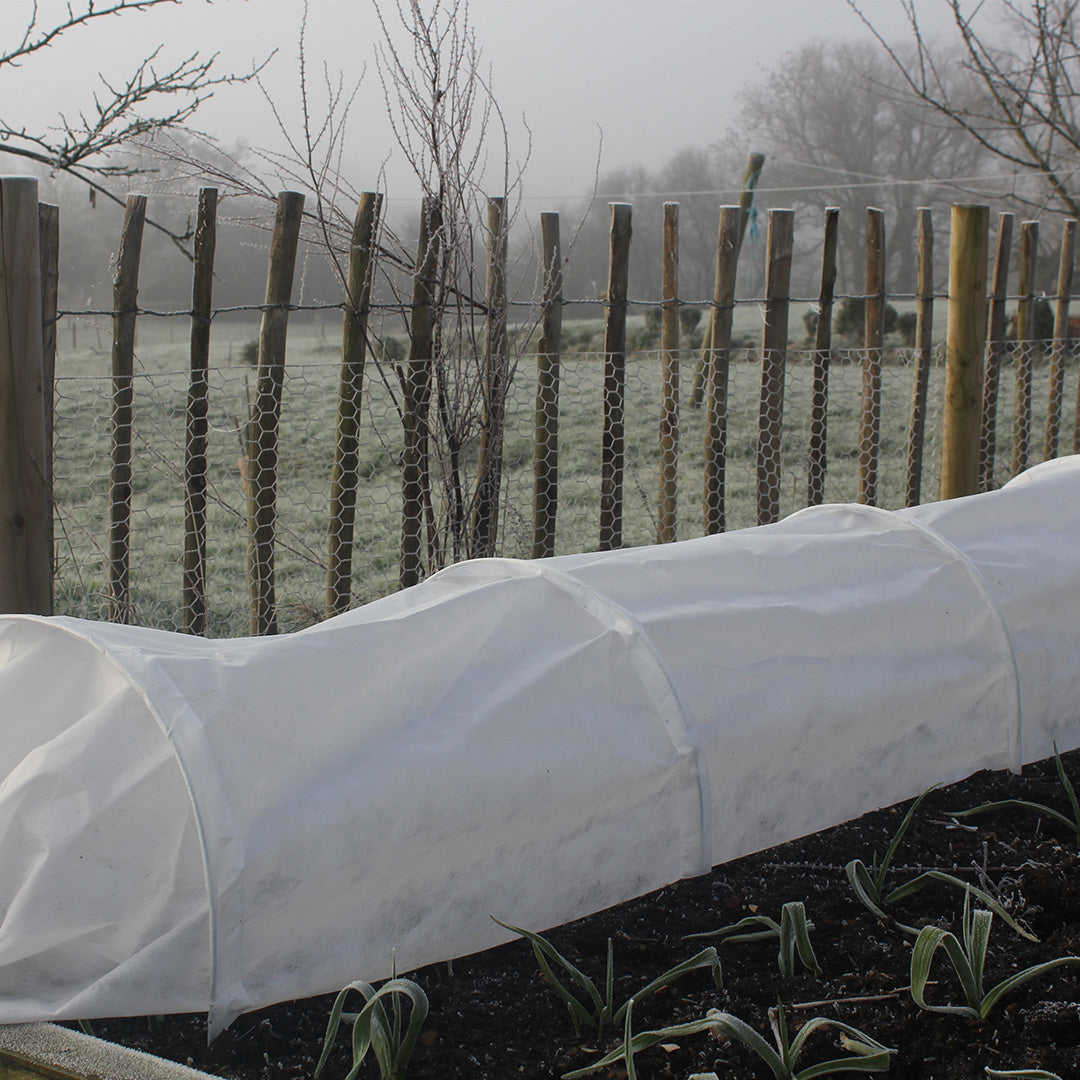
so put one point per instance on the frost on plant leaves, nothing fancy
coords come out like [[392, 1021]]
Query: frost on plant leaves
[[967, 954], [591, 1008], [793, 933]]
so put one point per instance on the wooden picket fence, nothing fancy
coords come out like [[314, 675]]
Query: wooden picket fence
[[976, 345]]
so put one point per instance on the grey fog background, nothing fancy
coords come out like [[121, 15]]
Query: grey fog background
[[653, 76]]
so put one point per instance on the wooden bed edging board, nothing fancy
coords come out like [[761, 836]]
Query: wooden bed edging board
[[49, 1052]]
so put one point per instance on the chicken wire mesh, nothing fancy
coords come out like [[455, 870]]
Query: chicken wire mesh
[[867, 428], [1036, 407]]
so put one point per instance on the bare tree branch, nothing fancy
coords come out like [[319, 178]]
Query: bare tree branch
[[150, 100], [837, 124], [35, 39], [1026, 111], [444, 117]]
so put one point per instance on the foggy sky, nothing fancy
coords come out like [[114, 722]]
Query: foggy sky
[[653, 76]]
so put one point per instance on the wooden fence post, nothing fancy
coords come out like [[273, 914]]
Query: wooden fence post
[[49, 239], [345, 475], [485, 524], [995, 347], [262, 430], [817, 459], [25, 503], [416, 396], [613, 446], [667, 512], [1029, 249], [924, 337], [546, 435], [968, 248], [193, 613], [125, 305], [751, 174], [1060, 343], [870, 411], [728, 242], [773, 363]]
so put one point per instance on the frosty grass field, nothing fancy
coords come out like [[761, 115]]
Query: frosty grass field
[[81, 468]]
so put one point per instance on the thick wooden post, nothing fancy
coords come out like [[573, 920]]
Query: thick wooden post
[[193, 614], [416, 396], [874, 340], [924, 338], [49, 237], [1059, 347], [25, 504], [345, 475], [546, 435], [485, 524], [1029, 248], [718, 366], [667, 513], [125, 305], [968, 248], [773, 363], [262, 433], [995, 347], [613, 446], [819, 398]]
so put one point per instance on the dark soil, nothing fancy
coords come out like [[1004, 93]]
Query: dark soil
[[492, 1016]]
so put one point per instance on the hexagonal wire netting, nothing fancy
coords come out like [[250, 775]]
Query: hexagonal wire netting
[[1033, 390]]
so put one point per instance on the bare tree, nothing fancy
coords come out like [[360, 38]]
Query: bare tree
[[155, 96], [838, 131], [452, 134], [700, 180], [449, 391], [1024, 56]]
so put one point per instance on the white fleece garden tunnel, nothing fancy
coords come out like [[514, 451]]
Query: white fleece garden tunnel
[[218, 825]]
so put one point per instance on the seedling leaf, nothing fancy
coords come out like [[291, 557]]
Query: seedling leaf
[[707, 958], [1072, 824], [968, 959], [643, 1041], [793, 931], [373, 1030], [1021, 1074], [603, 1009], [579, 1013]]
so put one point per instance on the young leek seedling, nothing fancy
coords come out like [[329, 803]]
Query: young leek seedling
[[1072, 823], [869, 884], [391, 1040], [864, 1054], [594, 1009], [967, 954], [634, 1044], [792, 931]]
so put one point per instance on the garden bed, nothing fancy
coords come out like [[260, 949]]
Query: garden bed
[[492, 1016]]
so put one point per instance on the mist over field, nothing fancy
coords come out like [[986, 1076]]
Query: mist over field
[[645, 100]]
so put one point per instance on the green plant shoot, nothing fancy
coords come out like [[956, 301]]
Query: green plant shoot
[[967, 955], [869, 884], [593, 1009], [793, 932], [1072, 823], [1021, 1074], [864, 1054], [634, 1044], [391, 1040]]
